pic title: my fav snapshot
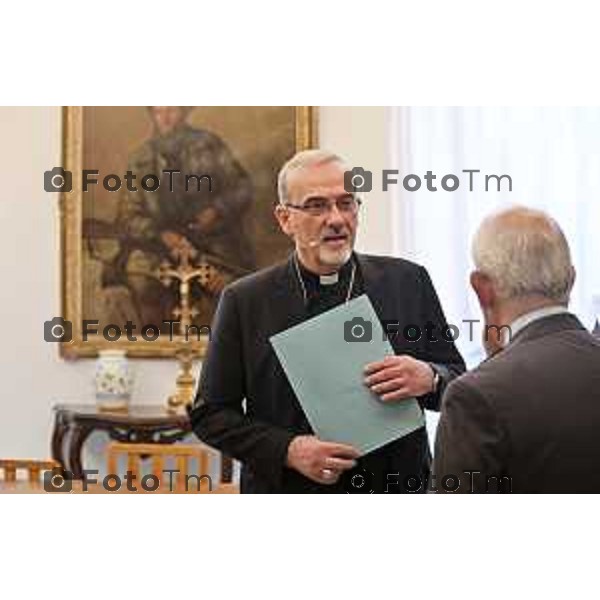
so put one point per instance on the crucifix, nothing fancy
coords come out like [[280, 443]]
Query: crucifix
[[184, 274]]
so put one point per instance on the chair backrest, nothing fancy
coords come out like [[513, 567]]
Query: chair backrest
[[185, 480], [10, 469]]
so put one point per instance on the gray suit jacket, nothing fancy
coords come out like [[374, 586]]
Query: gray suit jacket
[[530, 413]]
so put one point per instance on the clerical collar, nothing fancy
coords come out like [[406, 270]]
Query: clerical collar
[[315, 280], [313, 285], [329, 279]]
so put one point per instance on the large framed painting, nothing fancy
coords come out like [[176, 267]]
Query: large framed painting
[[146, 190]]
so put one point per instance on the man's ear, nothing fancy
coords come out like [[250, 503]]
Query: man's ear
[[282, 214], [573, 275], [483, 287]]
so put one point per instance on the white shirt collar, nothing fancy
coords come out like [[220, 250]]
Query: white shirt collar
[[330, 279], [524, 320]]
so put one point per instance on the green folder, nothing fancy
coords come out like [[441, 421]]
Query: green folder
[[324, 360]]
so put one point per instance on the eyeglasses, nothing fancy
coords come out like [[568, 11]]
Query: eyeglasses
[[316, 207]]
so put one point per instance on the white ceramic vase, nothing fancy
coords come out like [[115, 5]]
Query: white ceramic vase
[[114, 380]]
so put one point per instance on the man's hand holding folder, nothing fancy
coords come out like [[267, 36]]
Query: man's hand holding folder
[[320, 461], [393, 378], [399, 377], [345, 414]]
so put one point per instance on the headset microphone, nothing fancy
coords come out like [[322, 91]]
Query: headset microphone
[[309, 243]]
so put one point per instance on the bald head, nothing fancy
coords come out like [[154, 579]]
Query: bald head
[[524, 253]]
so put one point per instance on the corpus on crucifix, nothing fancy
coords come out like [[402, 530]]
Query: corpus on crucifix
[[184, 273]]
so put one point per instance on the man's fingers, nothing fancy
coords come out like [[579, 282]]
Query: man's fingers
[[374, 367], [378, 365], [384, 375], [341, 450], [339, 464], [389, 386], [400, 394]]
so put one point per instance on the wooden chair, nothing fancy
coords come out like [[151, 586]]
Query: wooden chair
[[187, 480], [34, 469]]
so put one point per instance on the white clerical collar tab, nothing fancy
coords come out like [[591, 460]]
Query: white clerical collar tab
[[329, 279]]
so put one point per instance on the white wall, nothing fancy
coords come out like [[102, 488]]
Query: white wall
[[359, 134], [33, 377]]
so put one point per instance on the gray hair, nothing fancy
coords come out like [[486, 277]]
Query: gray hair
[[524, 252], [302, 160]]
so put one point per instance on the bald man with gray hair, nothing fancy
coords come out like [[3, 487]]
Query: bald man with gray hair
[[527, 419]]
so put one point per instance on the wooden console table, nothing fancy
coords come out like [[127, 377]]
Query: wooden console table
[[73, 424]]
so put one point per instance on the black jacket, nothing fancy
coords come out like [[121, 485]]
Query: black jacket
[[245, 406], [527, 419]]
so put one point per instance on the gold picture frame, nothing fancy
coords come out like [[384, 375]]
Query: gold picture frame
[[88, 133]]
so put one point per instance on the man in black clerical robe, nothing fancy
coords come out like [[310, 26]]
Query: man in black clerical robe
[[245, 405]]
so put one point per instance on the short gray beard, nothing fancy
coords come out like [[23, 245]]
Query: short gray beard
[[334, 259]]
